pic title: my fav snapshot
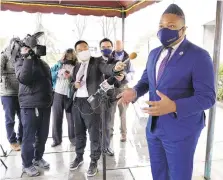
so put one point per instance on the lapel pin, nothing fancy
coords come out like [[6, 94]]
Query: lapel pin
[[181, 53]]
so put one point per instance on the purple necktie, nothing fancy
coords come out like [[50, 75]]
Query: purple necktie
[[163, 64]]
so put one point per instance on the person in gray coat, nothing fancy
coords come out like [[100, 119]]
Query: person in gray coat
[[9, 87]]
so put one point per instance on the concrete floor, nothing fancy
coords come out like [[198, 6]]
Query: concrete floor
[[130, 162]]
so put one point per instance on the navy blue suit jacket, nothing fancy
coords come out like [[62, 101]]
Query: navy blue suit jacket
[[188, 79]]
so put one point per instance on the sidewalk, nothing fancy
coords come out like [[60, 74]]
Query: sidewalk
[[130, 162]]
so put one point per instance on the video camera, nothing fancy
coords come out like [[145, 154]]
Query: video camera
[[30, 41]]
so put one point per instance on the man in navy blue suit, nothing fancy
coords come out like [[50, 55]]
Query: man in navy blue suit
[[179, 77]]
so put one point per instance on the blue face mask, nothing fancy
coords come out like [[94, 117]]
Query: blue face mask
[[106, 52], [168, 36], [119, 53]]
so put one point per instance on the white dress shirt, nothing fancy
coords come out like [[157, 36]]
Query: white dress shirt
[[163, 55], [82, 91]]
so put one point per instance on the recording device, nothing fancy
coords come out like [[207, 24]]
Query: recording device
[[30, 41], [104, 87], [109, 83]]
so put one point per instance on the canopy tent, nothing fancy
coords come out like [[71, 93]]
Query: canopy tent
[[122, 9], [97, 8]]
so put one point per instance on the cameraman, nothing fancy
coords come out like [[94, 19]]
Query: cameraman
[[35, 98], [9, 87]]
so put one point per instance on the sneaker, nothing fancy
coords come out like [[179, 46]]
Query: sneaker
[[93, 169], [31, 171], [15, 147], [109, 152], [76, 163], [41, 163]]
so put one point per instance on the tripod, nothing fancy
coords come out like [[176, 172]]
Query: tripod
[[4, 155]]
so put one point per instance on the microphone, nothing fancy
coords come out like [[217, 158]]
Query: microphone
[[104, 87], [81, 78], [132, 56]]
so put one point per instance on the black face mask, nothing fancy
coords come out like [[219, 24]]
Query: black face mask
[[40, 50]]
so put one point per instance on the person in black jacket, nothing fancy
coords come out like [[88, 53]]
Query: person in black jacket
[[87, 77], [35, 98], [106, 47]]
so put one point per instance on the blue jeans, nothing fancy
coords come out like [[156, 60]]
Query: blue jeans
[[11, 108]]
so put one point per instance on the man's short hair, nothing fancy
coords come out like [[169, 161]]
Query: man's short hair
[[105, 40], [79, 42]]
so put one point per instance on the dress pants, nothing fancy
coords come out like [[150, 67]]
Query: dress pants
[[11, 108], [122, 115], [171, 160], [109, 114], [36, 128], [86, 119], [59, 103]]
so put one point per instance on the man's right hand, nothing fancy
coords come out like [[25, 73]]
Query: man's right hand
[[127, 96], [77, 85]]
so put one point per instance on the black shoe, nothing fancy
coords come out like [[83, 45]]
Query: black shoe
[[76, 163], [109, 152], [54, 144], [93, 169]]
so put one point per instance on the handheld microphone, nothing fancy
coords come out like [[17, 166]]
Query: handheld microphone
[[81, 78], [132, 56], [104, 87]]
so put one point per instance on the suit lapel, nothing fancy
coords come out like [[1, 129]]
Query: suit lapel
[[76, 68], [181, 50], [89, 66], [156, 57]]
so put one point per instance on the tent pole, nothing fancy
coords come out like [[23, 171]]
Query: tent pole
[[123, 26], [212, 113]]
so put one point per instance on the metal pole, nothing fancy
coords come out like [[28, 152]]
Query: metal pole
[[123, 26], [103, 119], [216, 59]]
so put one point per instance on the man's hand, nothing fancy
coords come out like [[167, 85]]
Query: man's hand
[[127, 96], [24, 50], [119, 66], [120, 77], [162, 107], [77, 85]]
